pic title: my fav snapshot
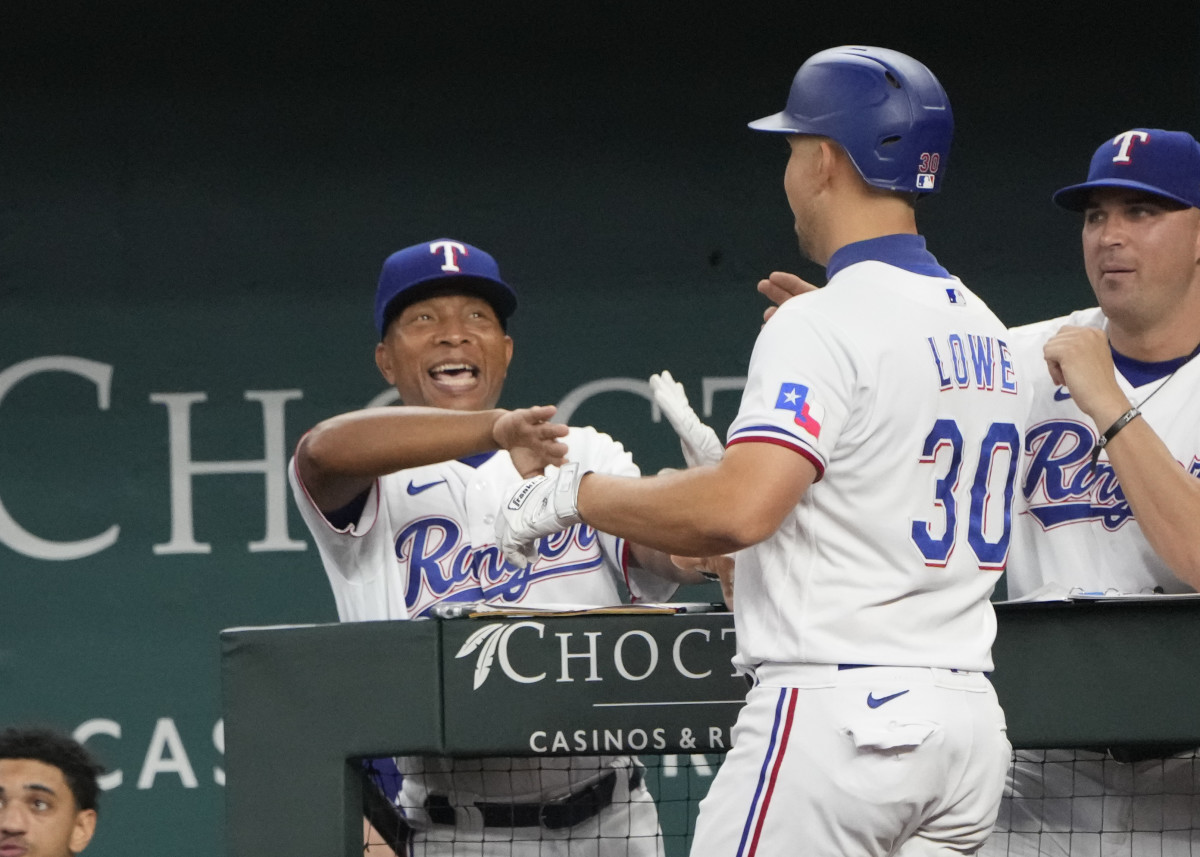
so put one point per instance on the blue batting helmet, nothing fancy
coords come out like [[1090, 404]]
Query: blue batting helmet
[[883, 107]]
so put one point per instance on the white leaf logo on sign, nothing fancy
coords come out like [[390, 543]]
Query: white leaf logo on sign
[[489, 640]]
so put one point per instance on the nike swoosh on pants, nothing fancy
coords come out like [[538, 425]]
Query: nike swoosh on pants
[[872, 702]]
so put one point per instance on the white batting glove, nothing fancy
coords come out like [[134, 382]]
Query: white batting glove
[[699, 442], [539, 507]]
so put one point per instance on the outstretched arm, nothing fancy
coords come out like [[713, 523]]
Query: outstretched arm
[[342, 456], [703, 511], [1165, 499]]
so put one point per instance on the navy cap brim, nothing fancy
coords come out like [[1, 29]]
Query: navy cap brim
[[499, 295], [1077, 196]]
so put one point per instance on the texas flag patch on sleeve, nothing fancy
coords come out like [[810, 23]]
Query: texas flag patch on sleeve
[[798, 399]]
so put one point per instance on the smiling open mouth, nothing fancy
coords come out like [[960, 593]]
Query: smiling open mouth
[[454, 374]]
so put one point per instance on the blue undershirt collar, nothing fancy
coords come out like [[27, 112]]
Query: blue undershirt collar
[[478, 459], [1138, 372], [900, 251]]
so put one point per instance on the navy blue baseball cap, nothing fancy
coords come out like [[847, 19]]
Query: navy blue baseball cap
[[1164, 163], [416, 272]]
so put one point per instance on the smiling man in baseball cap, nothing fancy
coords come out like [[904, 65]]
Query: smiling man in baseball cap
[[1109, 495], [401, 503], [420, 289]]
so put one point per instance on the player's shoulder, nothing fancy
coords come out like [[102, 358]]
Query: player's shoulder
[[820, 319], [1036, 333], [869, 296], [816, 308], [878, 288]]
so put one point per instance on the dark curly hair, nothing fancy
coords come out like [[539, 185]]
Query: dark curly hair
[[49, 747]]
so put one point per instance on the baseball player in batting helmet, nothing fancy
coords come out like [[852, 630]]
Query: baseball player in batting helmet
[[867, 484]]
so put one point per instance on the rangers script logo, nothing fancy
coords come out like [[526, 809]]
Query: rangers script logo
[[1060, 485], [442, 565]]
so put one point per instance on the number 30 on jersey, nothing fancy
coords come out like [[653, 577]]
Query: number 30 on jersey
[[989, 521]]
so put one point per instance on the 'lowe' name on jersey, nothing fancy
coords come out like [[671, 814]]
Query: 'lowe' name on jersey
[[988, 367]]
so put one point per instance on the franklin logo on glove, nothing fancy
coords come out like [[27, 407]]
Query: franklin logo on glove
[[518, 499], [542, 506]]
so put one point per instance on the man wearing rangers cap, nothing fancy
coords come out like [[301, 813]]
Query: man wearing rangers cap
[[400, 502], [1109, 497]]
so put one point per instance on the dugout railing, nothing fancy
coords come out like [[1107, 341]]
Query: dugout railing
[[303, 704]]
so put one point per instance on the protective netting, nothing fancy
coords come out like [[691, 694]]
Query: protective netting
[[1079, 803], [1058, 803], [582, 806]]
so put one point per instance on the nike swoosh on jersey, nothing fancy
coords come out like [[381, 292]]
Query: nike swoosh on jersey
[[414, 489], [872, 702], [1061, 394]]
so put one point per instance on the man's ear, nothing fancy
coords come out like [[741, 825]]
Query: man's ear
[[383, 359], [84, 829], [1197, 247], [833, 160]]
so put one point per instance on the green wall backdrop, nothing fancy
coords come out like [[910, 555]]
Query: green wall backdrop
[[196, 196]]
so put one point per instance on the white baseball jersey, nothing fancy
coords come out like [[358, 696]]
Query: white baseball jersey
[[426, 537], [900, 388], [865, 619], [1075, 528]]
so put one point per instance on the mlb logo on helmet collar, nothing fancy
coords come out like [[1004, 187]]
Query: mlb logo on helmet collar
[[925, 181]]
